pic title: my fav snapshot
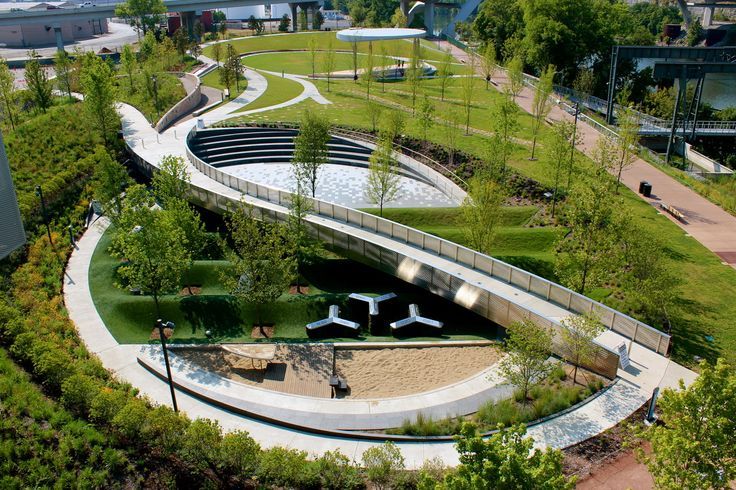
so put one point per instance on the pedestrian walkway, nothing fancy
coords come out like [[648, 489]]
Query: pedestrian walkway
[[706, 222]]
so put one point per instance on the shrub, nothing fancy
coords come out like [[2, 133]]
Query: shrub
[[240, 454], [201, 444], [337, 472], [77, 393], [383, 464], [287, 468]]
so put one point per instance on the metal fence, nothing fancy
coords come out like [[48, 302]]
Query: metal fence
[[548, 290]]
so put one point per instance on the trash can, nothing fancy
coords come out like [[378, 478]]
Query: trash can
[[646, 189], [641, 186]]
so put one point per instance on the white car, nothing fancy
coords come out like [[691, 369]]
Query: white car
[[88, 4]]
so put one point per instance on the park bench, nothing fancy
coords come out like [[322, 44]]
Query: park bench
[[673, 211]]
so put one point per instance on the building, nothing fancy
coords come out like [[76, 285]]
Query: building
[[34, 35], [12, 234]]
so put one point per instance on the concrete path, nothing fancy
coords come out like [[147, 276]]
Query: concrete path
[[706, 222]]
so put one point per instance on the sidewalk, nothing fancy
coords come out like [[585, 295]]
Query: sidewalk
[[706, 222]]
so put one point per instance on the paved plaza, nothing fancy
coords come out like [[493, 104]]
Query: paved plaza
[[344, 185]]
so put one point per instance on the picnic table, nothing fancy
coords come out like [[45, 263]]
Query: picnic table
[[263, 353]]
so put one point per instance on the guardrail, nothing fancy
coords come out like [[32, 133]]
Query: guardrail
[[543, 288], [189, 102]]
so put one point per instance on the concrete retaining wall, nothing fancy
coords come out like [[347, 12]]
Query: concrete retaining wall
[[184, 106]]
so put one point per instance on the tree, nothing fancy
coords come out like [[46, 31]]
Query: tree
[[453, 122], [358, 13], [374, 110], [695, 447], [97, 80], [255, 25], [586, 255], [541, 105], [515, 73], [506, 460], [171, 182], [284, 23], [482, 211], [303, 21], [328, 61], [488, 63], [222, 28], [383, 182], [312, 47], [153, 245], [694, 33], [233, 64], [426, 115], [385, 62], [504, 124], [226, 77], [468, 89], [398, 19], [393, 125], [558, 154], [310, 149], [39, 86], [528, 347], [305, 248], [444, 72], [128, 64], [143, 14], [63, 68], [195, 50], [577, 337], [383, 464], [414, 73], [317, 20], [262, 267], [626, 142], [368, 68], [217, 53], [7, 92], [111, 179], [181, 42]]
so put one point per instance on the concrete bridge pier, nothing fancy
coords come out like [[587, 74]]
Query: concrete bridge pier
[[708, 16], [429, 17], [405, 8], [59, 37], [294, 19]]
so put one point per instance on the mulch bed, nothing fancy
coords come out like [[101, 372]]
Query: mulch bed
[[302, 290], [190, 291], [168, 332], [258, 331]]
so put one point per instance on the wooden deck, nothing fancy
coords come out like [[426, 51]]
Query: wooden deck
[[298, 369]]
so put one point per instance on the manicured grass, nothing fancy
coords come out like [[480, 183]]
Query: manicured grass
[[300, 40], [130, 317], [300, 62], [279, 90], [212, 79]]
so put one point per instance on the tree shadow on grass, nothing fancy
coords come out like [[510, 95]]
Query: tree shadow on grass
[[540, 267], [219, 314]]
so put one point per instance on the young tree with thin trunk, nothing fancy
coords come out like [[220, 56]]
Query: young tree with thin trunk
[[143, 14], [39, 86], [97, 80], [153, 245], [383, 183], [305, 248], [414, 74], [312, 48], [368, 68], [504, 124], [482, 211], [444, 72], [577, 340], [234, 65], [217, 53], [128, 64], [488, 63], [527, 362], [426, 115], [7, 92], [262, 263], [384, 62], [453, 123], [63, 69], [468, 89], [310, 150], [328, 61], [695, 446], [226, 77], [541, 105], [374, 110], [626, 143], [515, 73], [171, 182], [110, 180], [558, 155]]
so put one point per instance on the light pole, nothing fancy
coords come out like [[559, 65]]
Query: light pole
[[161, 325], [39, 193], [154, 79], [572, 144]]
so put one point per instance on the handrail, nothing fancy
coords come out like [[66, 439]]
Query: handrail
[[621, 323]]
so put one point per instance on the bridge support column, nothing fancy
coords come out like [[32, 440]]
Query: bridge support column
[[708, 16], [294, 19], [685, 12], [59, 38], [187, 22], [405, 8], [429, 17]]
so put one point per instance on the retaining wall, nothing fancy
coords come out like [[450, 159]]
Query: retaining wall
[[185, 105]]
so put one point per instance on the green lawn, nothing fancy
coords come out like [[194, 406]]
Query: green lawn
[[300, 62], [279, 90], [130, 317], [212, 79], [300, 40], [170, 92]]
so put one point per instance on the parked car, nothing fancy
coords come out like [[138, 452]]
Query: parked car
[[88, 4]]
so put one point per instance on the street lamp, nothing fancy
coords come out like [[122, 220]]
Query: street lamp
[[154, 79], [160, 325], [39, 193], [572, 143]]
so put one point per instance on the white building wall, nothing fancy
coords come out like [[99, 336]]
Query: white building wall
[[30, 35]]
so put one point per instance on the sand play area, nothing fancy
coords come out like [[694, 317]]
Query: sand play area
[[382, 373], [305, 369]]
